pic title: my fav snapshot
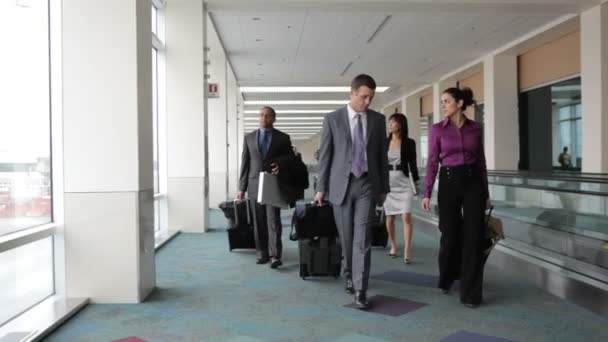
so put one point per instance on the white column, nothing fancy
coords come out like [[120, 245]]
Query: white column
[[240, 129], [233, 141], [186, 115], [107, 101], [437, 116], [501, 123], [412, 109], [594, 75], [218, 127]]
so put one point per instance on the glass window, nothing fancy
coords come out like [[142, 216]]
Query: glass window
[[155, 116], [550, 127], [26, 277], [154, 20], [25, 157], [567, 119]]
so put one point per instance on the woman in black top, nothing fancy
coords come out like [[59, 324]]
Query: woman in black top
[[402, 166]]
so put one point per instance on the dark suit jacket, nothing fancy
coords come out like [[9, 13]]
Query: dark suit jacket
[[335, 154], [408, 158], [252, 162]]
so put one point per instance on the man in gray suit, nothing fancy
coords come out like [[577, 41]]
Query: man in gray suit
[[353, 175], [261, 150]]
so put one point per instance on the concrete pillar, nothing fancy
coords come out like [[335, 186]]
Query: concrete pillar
[[233, 139], [412, 110], [218, 126], [437, 89], [186, 116], [594, 76], [107, 126], [501, 118]]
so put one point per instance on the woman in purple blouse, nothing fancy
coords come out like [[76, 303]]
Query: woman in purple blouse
[[457, 143]]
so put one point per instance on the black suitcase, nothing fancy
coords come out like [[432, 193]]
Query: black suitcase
[[320, 256], [310, 221], [240, 231], [379, 233]]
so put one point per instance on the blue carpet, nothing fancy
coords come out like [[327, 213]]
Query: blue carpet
[[206, 293]]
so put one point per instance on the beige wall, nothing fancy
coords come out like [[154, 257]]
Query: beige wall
[[475, 82], [393, 108], [555, 60], [426, 104]]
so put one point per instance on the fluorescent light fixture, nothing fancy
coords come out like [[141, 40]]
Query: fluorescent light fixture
[[287, 89], [294, 111], [288, 128], [295, 118], [297, 102]]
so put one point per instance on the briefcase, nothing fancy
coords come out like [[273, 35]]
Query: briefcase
[[310, 221], [269, 191]]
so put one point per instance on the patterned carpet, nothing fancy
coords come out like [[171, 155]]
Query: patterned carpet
[[206, 293]]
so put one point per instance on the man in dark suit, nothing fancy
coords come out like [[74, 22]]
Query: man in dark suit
[[353, 173], [261, 150]]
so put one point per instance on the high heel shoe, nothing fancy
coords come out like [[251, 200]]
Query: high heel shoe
[[407, 261]]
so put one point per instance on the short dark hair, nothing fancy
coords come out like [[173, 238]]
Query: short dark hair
[[363, 80], [465, 94], [274, 114]]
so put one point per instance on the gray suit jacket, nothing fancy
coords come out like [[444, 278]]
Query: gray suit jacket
[[335, 154], [252, 162]]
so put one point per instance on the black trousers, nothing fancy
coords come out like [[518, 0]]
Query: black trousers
[[267, 230], [461, 221]]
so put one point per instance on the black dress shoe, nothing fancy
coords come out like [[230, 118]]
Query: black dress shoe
[[361, 300], [470, 305], [275, 263], [262, 261], [350, 287]]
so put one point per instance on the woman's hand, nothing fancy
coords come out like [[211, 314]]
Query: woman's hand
[[426, 204]]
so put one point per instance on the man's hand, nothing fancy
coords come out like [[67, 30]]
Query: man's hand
[[274, 168], [319, 198], [426, 204], [240, 196], [380, 200]]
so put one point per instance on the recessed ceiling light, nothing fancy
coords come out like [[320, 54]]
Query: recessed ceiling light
[[287, 89], [297, 102]]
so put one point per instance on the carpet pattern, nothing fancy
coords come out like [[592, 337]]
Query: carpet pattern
[[206, 293]]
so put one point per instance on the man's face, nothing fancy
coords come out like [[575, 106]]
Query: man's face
[[266, 118], [361, 98]]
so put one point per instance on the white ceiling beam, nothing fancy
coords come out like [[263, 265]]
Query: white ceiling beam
[[545, 7]]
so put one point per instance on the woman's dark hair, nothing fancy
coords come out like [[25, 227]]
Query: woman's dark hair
[[402, 121], [465, 94]]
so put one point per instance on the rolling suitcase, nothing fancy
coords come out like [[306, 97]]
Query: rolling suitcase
[[379, 233], [240, 231], [320, 256]]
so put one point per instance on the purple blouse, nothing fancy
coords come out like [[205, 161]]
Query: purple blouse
[[453, 146]]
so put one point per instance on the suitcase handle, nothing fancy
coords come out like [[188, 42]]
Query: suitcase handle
[[236, 212]]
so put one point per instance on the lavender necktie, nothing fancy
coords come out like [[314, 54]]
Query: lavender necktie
[[358, 149]]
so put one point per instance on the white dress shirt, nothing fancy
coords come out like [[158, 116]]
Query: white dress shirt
[[352, 116]]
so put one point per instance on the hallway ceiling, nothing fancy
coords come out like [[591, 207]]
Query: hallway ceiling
[[402, 44]]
